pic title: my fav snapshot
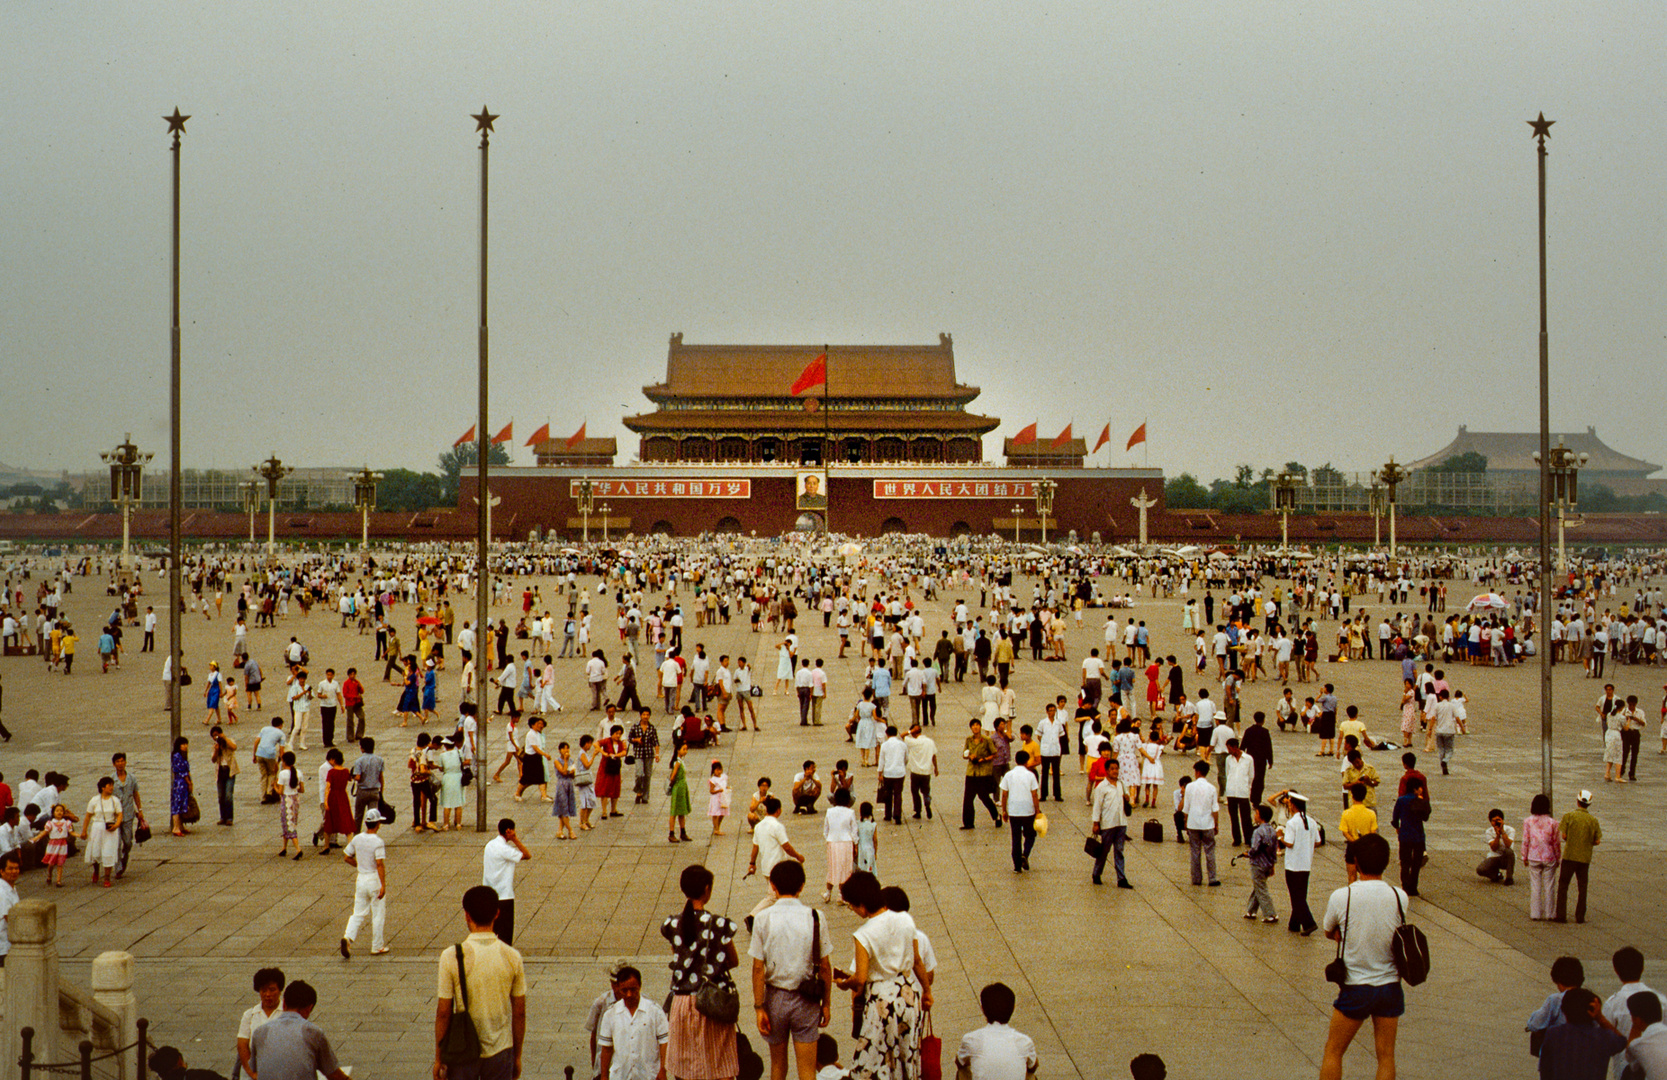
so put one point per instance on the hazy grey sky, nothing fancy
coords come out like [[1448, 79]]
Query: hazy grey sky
[[1279, 231]]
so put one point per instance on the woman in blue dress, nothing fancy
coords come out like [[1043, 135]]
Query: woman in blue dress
[[409, 703], [211, 693], [562, 806], [867, 733], [429, 691], [179, 789]]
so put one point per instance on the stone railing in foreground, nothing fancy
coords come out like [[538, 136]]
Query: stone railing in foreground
[[62, 1014]]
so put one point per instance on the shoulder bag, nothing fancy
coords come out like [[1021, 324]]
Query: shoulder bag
[[812, 988], [1409, 949], [1337, 971], [718, 1002], [461, 1043]]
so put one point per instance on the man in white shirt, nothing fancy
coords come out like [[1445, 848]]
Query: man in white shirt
[[1237, 770], [1109, 820], [1648, 1048], [1020, 795], [1093, 675], [1364, 916], [1629, 969], [785, 937], [498, 861], [633, 1034], [11, 866], [269, 984], [893, 768], [920, 756], [1049, 734], [671, 680], [802, 687], [368, 853], [506, 688], [819, 693], [700, 670], [996, 1051], [1201, 804], [596, 677], [769, 847], [327, 691]]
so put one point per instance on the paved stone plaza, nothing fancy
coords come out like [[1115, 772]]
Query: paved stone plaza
[[1101, 974]]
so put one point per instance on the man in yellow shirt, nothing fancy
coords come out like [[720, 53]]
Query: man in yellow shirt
[[1359, 772], [67, 649], [1357, 821]]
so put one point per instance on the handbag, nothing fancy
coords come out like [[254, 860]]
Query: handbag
[[461, 1043], [468, 776], [193, 813], [1337, 971], [583, 777], [718, 1003], [141, 834], [1094, 845], [931, 1058]]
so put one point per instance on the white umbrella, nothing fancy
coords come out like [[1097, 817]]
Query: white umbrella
[[1488, 601], [569, 551]]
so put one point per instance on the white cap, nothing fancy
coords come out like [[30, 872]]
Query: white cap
[[373, 816], [1584, 798]]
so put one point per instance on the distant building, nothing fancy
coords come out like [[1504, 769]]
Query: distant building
[[304, 489], [886, 445], [1510, 455]]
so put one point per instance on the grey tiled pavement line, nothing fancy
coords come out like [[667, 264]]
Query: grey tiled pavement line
[[1101, 974]]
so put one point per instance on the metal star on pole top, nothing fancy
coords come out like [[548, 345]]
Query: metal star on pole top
[[176, 122], [1542, 127], [483, 120]]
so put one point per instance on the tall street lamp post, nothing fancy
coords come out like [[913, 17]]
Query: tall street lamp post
[[1285, 500], [1375, 504], [251, 503], [587, 503], [1017, 522], [272, 471], [1391, 475], [605, 508], [1044, 504], [1563, 492], [127, 476], [176, 587], [364, 497]]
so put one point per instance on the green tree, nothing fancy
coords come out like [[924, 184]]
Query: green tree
[[1296, 468], [1184, 492], [458, 458], [1229, 497], [1468, 462], [1243, 475], [409, 490]]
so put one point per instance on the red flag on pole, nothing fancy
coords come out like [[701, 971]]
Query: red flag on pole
[[1061, 439], [468, 436], [1105, 437], [1026, 435], [576, 438], [541, 435], [1138, 437], [814, 374], [505, 435]]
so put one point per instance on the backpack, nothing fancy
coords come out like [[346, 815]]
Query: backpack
[[1410, 950]]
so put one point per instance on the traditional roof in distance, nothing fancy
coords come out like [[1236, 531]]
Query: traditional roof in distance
[[1513, 451], [897, 372]]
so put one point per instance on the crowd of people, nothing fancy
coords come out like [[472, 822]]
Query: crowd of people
[[1140, 722]]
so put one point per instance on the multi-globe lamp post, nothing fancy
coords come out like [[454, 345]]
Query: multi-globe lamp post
[[251, 503], [1391, 475], [1044, 503], [127, 475], [364, 498], [1285, 500], [273, 472], [1562, 493], [587, 503], [1375, 505]]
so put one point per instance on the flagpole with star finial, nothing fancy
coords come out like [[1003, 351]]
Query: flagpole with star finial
[[176, 128], [1542, 131], [483, 510]]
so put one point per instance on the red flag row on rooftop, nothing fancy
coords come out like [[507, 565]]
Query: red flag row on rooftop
[[1027, 436], [508, 435]]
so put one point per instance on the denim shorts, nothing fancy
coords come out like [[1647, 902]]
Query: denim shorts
[[1359, 1002]]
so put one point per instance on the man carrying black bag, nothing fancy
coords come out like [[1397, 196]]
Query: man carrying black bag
[[792, 974], [1363, 918], [482, 984], [1110, 823]]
